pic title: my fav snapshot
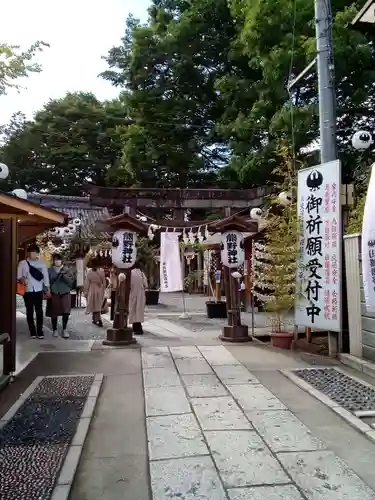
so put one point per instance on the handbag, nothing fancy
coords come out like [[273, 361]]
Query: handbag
[[21, 288]]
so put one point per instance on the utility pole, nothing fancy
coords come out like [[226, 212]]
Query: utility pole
[[328, 142], [326, 78]]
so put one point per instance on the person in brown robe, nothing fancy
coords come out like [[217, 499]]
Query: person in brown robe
[[137, 299], [94, 288]]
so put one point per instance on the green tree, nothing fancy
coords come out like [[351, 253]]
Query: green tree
[[72, 140], [278, 39], [15, 64], [168, 69]]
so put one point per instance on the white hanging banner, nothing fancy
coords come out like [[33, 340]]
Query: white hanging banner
[[170, 263], [368, 245], [232, 249], [124, 251], [80, 273], [318, 301]]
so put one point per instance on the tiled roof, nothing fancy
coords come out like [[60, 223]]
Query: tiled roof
[[74, 206]]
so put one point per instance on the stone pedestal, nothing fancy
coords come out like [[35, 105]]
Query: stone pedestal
[[235, 333], [119, 336]]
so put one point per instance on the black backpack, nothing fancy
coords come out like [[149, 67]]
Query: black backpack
[[35, 273]]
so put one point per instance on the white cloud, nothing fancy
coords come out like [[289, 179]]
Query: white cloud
[[79, 33]]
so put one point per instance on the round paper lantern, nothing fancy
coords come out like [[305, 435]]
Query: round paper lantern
[[20, 193], [362, 140], [4, 171], [72, 228], [124, 250], [65, 231], [285, 199], [256, 213], [77, 222], [232, 249]]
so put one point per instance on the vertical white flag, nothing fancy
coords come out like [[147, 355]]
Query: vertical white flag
[[170, 263], [368, 245]]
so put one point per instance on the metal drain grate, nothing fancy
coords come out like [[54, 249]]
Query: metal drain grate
[[344, 390]]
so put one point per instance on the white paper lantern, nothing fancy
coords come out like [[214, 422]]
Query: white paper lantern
[[124, 250], [4, 171], [232, 249], [362, 140], [285, 199], [65, 231], [256, 213], [72, 228], [20, 193], [77, 222], [64, 246]]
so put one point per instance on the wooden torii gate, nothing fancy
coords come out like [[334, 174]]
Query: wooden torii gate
[[179, 200]]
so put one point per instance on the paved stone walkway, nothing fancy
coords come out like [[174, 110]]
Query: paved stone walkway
[[215, 432]]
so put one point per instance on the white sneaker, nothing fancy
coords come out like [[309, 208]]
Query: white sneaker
[[55, 334], [65, 334]]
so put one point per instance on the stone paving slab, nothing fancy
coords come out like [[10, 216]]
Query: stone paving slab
[[190, 352], [323, 476], [282, 431], [202, 386], [193, 367], [235, 374], [190, 478], [218, 355], [152, 359], [161, 377], [255, 397], [174, 436], [166, 401], [266, 493], [243, 459], [220, 413]]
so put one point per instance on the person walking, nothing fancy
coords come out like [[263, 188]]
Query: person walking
[[33, 273], [60, 303], [113, 277], [137, 299], [94, 288]]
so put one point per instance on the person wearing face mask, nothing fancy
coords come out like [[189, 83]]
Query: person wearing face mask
[[61, 280], [33, 273]]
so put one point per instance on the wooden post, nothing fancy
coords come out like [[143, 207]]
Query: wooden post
[[8, 257], [218, 285], [234, 331], [121, 333]]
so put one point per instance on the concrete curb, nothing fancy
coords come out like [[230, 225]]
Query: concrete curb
[[68, 470], [351, 419], [358, 364]]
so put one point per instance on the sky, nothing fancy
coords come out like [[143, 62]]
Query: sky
[[79, 33]]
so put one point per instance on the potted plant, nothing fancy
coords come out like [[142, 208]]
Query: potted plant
[[275, 265], [147, 257]]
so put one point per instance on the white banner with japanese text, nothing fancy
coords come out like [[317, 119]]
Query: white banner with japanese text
[[368, 245], [170, 263], [318, 300]]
